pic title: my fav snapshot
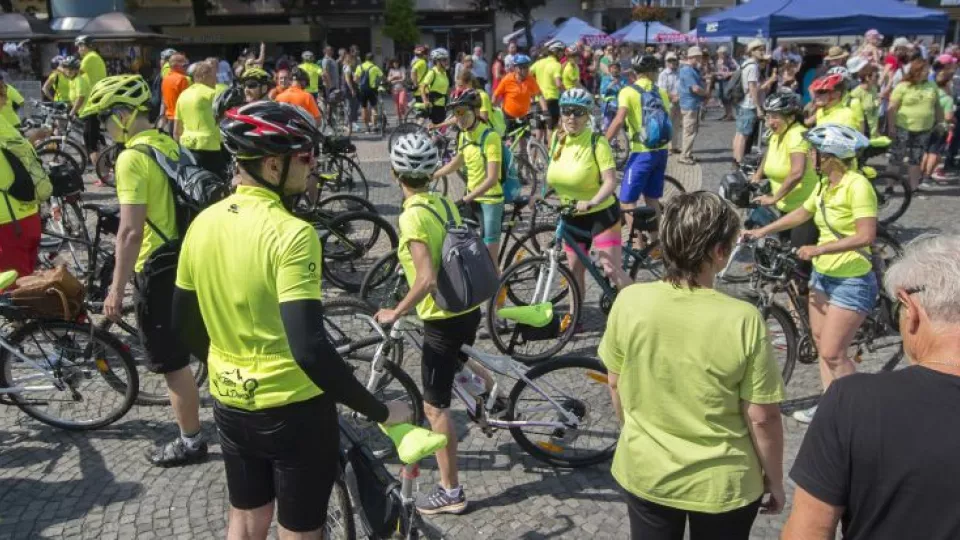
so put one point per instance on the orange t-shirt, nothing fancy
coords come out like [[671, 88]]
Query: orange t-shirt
[[301, 98], [173, 85], [276, 91], [516, 94]]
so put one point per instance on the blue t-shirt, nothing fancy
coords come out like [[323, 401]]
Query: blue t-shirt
[[687, 79]]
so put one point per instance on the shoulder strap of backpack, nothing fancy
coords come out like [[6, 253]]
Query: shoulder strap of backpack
[[446, 223]]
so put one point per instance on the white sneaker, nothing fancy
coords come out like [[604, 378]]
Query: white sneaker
[[805, 416]]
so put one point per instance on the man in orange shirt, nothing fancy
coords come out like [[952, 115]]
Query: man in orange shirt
[[516, 90], [283, 83], [173, 85], [296, 95]]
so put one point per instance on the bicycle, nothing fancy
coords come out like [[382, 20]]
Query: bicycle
[[776, 275], [523, 144], [550, 408], [380, 114], [56, 130], [48, 369], [337, 162], [620, 145]]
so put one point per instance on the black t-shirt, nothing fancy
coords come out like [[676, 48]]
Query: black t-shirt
[[886, 447]]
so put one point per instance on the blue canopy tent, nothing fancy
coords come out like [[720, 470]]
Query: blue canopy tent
[[798, 18], [541, 30], [575, 30], [635, 32]]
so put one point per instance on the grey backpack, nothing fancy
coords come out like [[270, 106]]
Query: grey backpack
[[467, 276]]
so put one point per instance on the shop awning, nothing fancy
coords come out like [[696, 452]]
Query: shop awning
[[18, 27], [118, 26], [267, 33]]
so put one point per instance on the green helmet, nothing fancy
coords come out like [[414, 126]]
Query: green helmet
[[127, 90], [256, 74]]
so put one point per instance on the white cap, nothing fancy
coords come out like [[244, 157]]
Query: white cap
[[901, 42], [694, 51], [672, 56]]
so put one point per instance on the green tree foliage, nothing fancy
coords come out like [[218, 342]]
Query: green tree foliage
[[400, 17]]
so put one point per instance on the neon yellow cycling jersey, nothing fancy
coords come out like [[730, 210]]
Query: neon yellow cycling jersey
[[315, 72], [195, 112], [243, 257]]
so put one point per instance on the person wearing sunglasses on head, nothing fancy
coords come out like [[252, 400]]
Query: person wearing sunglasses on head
[[583, 171], [479, 150], [147, 223], [843, 287], [248, 300]]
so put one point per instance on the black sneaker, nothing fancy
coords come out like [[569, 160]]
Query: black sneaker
[[176, 453], [439, 502]]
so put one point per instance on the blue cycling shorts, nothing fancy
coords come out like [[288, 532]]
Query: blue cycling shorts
[[643, 175]]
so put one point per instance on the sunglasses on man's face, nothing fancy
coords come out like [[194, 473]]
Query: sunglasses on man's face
[[576, 112], [252, 85]]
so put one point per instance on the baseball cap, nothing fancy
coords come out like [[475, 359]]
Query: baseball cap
[[723, 49], [694, 51], [671, 56], [756, 44], [873, 32]]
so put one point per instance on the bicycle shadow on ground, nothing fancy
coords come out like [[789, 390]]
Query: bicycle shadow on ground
[[29, 505]]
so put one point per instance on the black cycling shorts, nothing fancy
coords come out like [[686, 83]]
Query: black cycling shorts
[[154, 311], [553, 111], [91, 133], [368, 98], [594, 224], [290, 454], [442, 339]]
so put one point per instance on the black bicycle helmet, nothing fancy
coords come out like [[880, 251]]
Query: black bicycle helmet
[[228, 99], [301, 76], [70, 62], [470, 98], [645, 63], [266, 128], [784, 102]]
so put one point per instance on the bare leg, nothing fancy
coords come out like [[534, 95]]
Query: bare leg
[[185, 399], [839, 328], [249, 524], [611, 257], [441, 422]]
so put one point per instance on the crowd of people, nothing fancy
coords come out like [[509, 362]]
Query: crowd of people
[[702, 435]]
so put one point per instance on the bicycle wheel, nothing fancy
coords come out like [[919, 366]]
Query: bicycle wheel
[[671, 188], [621, 149], [574, 386], [647, 265], [153, 386], [345, 202], [385, 285], [349, 179], [68, 146], [782, 332], [537, 155], [347, 330], [529, 178], [340, 524], [352, 243], [887, 248], [50, 156], [68, 240], [92, 379], [533, 244], [518, 287], [106, 162], [893, 197], [404, 128]]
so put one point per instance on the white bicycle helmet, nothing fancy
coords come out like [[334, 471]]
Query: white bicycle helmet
[[839, 70], [576, 97], [554, 45], [307, 56], [414, 154], [855, 64], [837, 140], [166, 54], [439, 54]]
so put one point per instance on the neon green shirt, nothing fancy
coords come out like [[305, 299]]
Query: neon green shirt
[[547, 70], [20, 209], [776, 166], [852, 199], [140, 180], [219, 89], [79, 88], [571, 75], [195, 112], [947, 104], [684, 442], [437, 82], [418, 224], [574, 174], [419, 70], [870, 104], [494, 114], [315, 72], [838, 113], [917, 110], [93, 68], [7, 112], [476, 159], [61, 86], [244, 256], [374, 74], [630, 99]]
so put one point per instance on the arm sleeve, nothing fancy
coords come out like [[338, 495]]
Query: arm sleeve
[[897, 93], [761, 383], [822, 467], [319, 359], [493, 150], [810, 205], [188, 323], [298, 270]]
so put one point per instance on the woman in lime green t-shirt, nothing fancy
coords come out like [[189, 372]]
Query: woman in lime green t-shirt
[[913, 113], [938, 138], [786, 164], [843, 287]]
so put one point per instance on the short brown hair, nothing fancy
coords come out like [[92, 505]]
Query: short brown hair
[[691, 226], [916, 71], [866, 72], [204, 69]]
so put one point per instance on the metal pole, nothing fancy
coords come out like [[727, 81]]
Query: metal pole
[[646, 29]]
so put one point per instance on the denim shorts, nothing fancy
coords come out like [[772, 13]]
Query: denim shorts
[[854, 293], [746, 120]]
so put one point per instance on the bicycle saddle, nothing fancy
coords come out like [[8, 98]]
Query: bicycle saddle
[[520, 202], [644, 218], [8, 278]]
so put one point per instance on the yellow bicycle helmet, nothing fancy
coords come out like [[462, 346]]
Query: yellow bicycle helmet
[[129, 90], [256, 74]]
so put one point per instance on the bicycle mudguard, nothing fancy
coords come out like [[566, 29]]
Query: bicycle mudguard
[[414, 443], [536, 315]]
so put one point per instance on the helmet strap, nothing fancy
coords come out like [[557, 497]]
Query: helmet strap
[[276, 188]]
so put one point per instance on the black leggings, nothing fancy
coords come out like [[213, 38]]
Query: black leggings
[[91, 133], [651, 521]]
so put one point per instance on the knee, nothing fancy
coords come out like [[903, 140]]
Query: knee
[[435, 414], [832, 355]]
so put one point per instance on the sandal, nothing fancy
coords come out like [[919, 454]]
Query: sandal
[[687, 161]]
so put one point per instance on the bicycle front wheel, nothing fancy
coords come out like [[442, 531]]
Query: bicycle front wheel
[[83, 379], [893, 197], [384, 285], [106, 163], [350, 177], [352, 243], [68, 146], [572, 396]]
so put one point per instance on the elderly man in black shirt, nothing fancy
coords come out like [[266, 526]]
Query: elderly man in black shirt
[[882, 456]]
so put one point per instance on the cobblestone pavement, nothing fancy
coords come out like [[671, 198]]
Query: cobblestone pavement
[[57, 484]]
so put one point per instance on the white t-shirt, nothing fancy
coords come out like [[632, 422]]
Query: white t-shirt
[[751, 73]]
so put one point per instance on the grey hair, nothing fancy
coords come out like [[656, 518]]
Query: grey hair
[[930, 263]]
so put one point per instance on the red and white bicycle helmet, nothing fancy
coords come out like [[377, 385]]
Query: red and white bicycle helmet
[[828, 83], [266, 128]]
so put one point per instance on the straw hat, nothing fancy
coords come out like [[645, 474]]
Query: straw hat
[[694, 51], [836, 53], [756, 44]]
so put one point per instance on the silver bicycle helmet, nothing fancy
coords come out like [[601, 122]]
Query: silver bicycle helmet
[[837, 140], [414, 154], [576, 97], [555, 45], [439, 54]]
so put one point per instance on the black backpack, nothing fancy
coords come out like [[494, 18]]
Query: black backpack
[[733, 90]]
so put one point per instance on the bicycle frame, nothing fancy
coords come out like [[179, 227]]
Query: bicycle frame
[[46, 372], [565, 236]]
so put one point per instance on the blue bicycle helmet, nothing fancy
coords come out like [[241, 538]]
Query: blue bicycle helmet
[[836, 140], [521, 60], [576, 97]]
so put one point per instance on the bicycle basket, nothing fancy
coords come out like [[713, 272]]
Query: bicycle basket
[[49, 294], [338, 145], [65, 179]]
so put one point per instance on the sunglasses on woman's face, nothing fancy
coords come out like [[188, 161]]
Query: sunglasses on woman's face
[[576, 112], [252, 85]]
